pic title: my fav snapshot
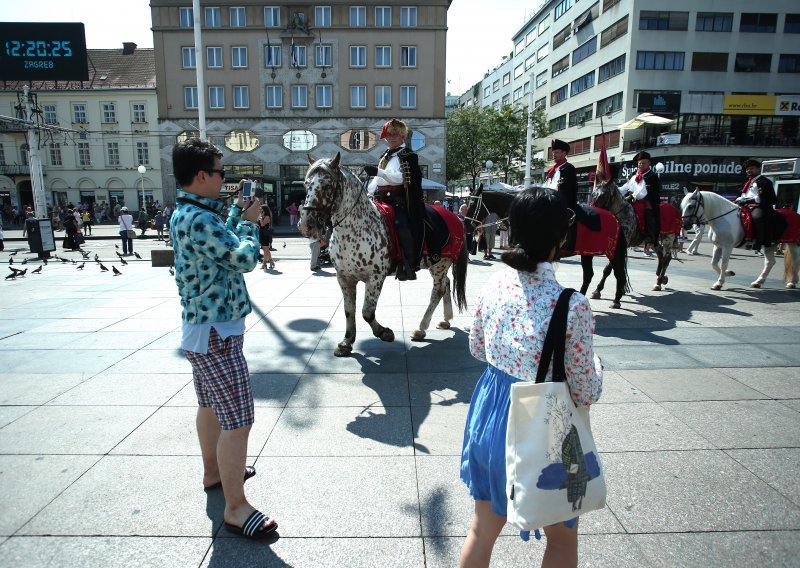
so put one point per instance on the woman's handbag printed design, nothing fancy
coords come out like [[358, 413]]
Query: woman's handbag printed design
[[552, 468]]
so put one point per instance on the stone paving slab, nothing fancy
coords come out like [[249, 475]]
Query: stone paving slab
[[111, 552], [358, 457], [697, 490]]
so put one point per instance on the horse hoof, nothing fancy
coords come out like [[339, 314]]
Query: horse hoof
[[595, 295], [755, 284], [443, 325], [664, 280], [791, 285], [616, 305], [717, 287], [343, 350], [730, 273], [657, 288], [387, 335], [418, 335]]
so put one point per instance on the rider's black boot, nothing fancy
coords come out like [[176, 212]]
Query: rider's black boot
[[405, 270]]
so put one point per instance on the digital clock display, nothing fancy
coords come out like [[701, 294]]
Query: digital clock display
[[43, 51]]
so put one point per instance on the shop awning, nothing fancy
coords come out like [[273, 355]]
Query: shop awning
[[644, 118]]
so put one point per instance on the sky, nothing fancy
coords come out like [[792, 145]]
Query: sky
[[479, 32]]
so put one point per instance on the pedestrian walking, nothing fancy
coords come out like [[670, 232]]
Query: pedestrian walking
[[265, 237], [698, 237], [86, 217], [512, 316], [158, 221], [143, 222], [211, 258], [126, 230]]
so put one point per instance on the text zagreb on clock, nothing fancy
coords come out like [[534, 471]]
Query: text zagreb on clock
[[43, 51]]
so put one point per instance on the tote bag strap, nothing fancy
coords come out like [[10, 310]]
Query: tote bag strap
[[556, 336]]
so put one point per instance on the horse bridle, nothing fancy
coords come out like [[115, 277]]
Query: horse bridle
[[481, 205], [340, 176], [701, 220]]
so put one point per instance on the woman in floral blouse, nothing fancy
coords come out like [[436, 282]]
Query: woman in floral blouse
[[511, 321]]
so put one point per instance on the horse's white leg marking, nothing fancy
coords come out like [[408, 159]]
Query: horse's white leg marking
[[439, 273], [791, 253], [723, 255], [769, 262]]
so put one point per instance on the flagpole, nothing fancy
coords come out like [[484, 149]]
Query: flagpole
[[529, 137], [201, 82]]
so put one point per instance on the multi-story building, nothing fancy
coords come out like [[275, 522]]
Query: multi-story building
[[725, 76], [289, 78], [94, 134]]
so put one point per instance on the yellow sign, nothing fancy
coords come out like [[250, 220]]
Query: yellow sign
[[749, 104]]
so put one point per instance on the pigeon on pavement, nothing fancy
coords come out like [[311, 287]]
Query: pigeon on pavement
[[123, 261], [38, 270], [103, 268], [25, 261], [81, 265], [116, 272], [172, 270], [136, 254]]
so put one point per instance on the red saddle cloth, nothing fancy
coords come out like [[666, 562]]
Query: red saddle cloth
[[454, 242], [670, 218], [598, 243], [791, 233]]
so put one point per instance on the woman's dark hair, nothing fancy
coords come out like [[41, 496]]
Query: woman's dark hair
[[539, 221], [266, 211], [192, 156]]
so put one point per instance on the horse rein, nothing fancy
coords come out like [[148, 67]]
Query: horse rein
[[482, 205]]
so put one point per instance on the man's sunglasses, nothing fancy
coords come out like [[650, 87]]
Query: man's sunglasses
[[220, 172]]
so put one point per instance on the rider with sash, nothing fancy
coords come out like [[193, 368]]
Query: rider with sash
[[758, 190], [563, 178], [397, 181], [645, 186]]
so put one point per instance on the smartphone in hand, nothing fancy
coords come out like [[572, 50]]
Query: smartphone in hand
[[247, 190]]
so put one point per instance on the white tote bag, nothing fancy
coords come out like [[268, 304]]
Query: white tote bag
[[553, 471]]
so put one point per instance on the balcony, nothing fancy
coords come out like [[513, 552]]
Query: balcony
[[13, 170]]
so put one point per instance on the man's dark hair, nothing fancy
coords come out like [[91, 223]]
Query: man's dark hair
[[538, 221], [192, 156]]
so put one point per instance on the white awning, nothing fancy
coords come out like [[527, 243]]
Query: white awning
[[644, 118]]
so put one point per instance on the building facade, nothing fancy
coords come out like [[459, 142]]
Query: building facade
[[726, 76], [292, 78], [93, 134]]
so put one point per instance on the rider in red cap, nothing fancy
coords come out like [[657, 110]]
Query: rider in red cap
[[397, 181]]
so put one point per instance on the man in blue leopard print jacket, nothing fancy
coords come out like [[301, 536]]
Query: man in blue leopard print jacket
[[211, 257]]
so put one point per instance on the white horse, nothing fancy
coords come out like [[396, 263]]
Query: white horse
[[727, 233]]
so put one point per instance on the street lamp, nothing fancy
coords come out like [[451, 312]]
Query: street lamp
[[142, 171], [489, 165]]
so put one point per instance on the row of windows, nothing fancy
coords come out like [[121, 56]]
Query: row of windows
[[603, 106], [273, 17], [298, 94], [112, 154], [710, 61], [108, 112], [323, 56], [717, 22]]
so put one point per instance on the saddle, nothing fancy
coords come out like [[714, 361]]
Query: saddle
[[669, 216], [601, 242], [785, 226], [443, 232]]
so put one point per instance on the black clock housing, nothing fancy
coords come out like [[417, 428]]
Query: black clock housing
[[43, 52]]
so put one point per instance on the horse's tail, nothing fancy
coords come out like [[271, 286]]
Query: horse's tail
[[460, 278], [788, 262]]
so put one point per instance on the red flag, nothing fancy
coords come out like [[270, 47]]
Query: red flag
[[603, 172]]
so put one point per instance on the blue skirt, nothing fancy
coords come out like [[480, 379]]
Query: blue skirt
[[483, 455]]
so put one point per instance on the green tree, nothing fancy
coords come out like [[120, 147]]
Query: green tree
[[466, 144], [507, 136]]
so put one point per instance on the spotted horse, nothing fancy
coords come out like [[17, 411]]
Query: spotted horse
[[362, 249]]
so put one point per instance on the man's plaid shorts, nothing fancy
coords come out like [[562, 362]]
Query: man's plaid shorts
[[222, 381]]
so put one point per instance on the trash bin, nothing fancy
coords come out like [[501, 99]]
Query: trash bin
[[40, 236]]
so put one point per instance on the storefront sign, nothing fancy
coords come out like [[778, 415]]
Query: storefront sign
[[787, 105], [665, 139], [659, 103], [749, 104], [726, 168]]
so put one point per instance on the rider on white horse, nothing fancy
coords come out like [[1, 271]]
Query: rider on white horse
[[758, 189]]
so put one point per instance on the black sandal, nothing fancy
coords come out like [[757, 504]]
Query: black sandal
[[254, 527], [249, 472]]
